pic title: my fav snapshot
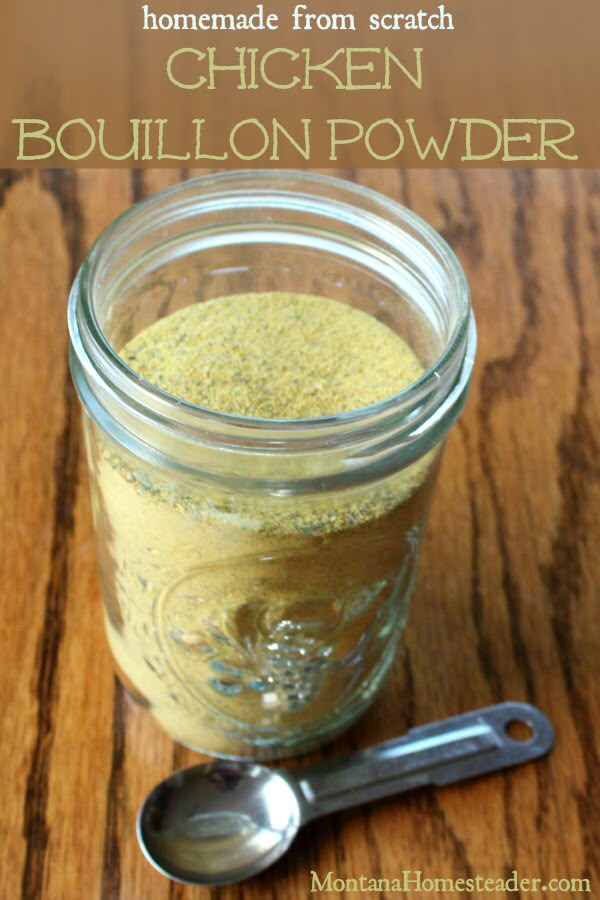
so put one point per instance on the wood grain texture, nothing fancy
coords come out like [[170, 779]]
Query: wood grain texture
[[506, 602]]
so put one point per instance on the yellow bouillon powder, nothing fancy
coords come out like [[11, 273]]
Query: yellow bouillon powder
[[274, 356], [252, 622]]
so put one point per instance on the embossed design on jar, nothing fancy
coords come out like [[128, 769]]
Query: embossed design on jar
[[277, 647]]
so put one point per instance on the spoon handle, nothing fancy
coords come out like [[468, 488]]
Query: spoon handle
[[441, 753]]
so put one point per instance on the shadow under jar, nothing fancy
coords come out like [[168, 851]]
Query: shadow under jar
[[257, 572]]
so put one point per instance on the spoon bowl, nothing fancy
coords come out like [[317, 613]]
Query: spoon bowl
[[219, 822]]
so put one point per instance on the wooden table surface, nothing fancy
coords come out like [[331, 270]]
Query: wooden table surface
[[506, 605]]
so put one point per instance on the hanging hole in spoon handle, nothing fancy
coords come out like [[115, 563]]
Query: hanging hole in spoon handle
[[518, 730]]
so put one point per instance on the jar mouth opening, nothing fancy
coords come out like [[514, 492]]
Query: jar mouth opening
[[88, 336]]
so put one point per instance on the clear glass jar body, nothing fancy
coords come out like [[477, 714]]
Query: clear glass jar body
[[257, 573]]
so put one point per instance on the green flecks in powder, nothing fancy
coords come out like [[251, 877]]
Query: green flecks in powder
[[273, 355]]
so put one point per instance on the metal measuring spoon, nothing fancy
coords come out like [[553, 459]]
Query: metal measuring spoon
[[222, 822]]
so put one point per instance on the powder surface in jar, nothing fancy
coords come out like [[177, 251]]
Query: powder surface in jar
[[273, 355]]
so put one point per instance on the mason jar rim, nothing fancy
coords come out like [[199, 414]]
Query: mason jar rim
[[93, 354]]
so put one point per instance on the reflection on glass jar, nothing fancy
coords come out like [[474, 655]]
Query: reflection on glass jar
[[257, 573]]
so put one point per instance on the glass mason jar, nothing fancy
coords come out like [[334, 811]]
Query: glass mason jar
[[256, 573]]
